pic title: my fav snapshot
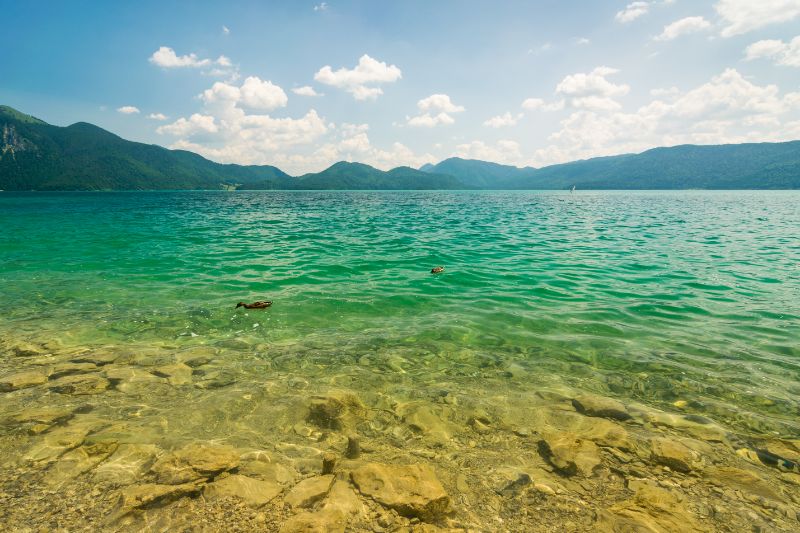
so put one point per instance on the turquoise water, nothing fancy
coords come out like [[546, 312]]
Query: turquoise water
[[655, 296]]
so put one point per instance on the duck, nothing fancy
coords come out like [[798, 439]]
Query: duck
[[437, 270], [263, 304]]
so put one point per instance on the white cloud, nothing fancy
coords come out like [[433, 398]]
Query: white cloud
[[321, 6], [358, 81], [197, 123], [632, 11], [504, 151], [254, 93], [157, 116], [166, 57], [591, 90], [682, 27], [726, 109], [537, 104], [785, 54], [743, 16], [435, 110], [306, 90], [128, 110], [502, 121], [582, 40], [226, 30]]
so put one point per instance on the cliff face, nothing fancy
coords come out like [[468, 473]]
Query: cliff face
[[11, 142]]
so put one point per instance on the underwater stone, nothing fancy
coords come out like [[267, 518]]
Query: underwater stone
[[336, 410], [22, 380], [591, 405], [194, 462], [309, 491], [80, 385], [673, 454], [325, 521], [127, 465], [412, 491], [569, 454], [142, 496], [254, 492]]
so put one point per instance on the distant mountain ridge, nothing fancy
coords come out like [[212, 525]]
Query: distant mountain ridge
[[35, 155]]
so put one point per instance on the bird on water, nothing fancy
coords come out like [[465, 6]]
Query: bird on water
[[437, 270], [263, 304]]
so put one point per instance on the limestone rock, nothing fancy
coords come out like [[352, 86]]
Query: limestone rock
[[650, 509], [44, 415], [591, 405], [341, 497], [193, 462], [412, 490], [337, 410], [127, 465], [253, 492], [56, 443], [26, 349], [81, 384], [508, 481], [430, 421], [325, 521], [149, 494], [309, 491], [68, 369], [672, 453], [744, 480], [569, 454], [176, 374], [78, 461], [22, 380]]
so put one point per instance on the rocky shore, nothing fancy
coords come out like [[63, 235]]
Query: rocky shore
[[127, 439]]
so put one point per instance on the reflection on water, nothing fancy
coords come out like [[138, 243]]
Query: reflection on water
[[120, 344]]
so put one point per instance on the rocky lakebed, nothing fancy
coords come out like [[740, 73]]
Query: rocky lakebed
[[194, 438]]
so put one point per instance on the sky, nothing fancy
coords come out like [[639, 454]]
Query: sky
[[304, 84]]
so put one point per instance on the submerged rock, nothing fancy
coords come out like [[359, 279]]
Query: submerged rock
[[309, 491], [176, 374], [325, 521], [78, 461], [22, 380], [254, 492], [600, 406], [56, 443], [569, 454], [337, 410], [509, 481], [194, 462], [150, 494], [412, 490], [672, 453], [127, 465], [79, 385]]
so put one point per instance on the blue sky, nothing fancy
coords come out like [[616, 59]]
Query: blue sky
[[304, 84]]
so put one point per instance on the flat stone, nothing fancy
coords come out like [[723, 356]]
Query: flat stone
[[412, 490], [22, 380], [80, 385], [342, 497], [673, 454], [68, 369], [428, 420], [508, 481], [600, 406], [325, 521], [150, 494], [336, 410], [253, 492], [78, 461], [56, 443], [96, 359], [570, 454], [26, 349], [127, 465], [309, 491], [44, 415], [194, 462], [176, 374], [744, 480]]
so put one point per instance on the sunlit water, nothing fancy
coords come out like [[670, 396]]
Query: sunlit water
[[653, 296]]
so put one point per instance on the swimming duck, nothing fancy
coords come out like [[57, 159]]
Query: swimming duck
[[437, 270], [263, 304]]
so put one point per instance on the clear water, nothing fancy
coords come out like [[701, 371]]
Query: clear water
[[652, 296]]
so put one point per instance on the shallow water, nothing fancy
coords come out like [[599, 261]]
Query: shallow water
[[681, 302]]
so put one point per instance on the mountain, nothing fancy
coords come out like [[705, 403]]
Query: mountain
[[345, 175], [35, 155], [479, 174], [730, 166]]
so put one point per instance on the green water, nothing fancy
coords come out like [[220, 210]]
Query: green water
[[654, 296]]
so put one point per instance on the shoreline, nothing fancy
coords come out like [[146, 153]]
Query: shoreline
[[121, 439]]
